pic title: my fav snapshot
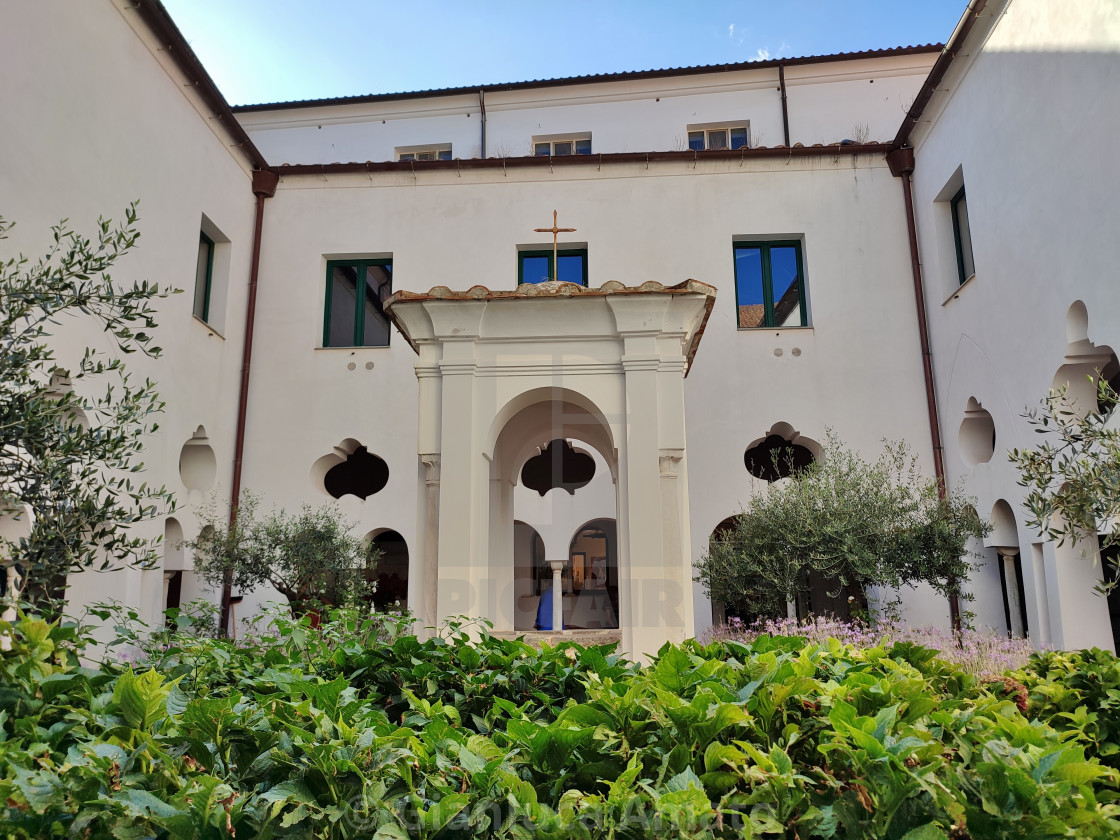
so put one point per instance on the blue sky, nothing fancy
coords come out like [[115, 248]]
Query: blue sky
[[278, 50]]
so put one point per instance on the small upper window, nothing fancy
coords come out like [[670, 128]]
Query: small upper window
[[438, 152], [770, 284], [579, 144], [719, 137], [356, 293], [962, 236], [203, 277], [536, 266]]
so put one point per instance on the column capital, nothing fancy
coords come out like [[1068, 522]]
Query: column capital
[[668, 460], [430, 460]]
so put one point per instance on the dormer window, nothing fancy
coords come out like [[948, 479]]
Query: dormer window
[[565, 144], [719, 136], [441, 151]]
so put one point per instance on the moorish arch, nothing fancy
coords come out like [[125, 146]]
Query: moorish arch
[[502, 375], [391, 573], [1085, 363]]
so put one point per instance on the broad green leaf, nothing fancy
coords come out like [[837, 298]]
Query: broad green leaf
[[929, 831]]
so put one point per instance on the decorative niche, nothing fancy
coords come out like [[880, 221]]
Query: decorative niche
[[977, 435], [198, 468]]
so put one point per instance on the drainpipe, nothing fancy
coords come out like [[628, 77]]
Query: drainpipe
[[482, 108], [785, 106], [264, 186], [901, 162]]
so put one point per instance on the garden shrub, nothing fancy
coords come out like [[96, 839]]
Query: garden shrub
[[361, 730]]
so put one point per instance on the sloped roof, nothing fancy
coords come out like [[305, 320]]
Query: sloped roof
[[594, 78], [560, 289]]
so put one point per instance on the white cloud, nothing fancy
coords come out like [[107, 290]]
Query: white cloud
[[731, 31], [762, 55]]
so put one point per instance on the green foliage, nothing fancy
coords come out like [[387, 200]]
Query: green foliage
[[859, 523], [361, 731], [1073, 476], [69, 458], [1078, 692], [311, 558]]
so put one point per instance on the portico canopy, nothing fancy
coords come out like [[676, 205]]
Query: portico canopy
[[503, 373]]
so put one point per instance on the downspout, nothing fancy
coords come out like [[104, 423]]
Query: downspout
[[785, 105], [264, 186], [901, 162], [482, 108]]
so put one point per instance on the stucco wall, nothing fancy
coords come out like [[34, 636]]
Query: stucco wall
[[92, 121], [856, 369], [1025, 128], [827, 102]]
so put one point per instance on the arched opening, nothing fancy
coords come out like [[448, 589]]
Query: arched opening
[[553, 472], [593, 574], [719, 534], [198, 468], [1004, 539], [977, 435], [532, 577], [775, 458], [173, 558], [391, 571], [351, 469], [560, 465]]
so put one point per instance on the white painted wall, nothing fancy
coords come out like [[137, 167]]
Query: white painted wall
[[1023, 119], [1030, 103], [827, 103], [857, 370], [90, 124]]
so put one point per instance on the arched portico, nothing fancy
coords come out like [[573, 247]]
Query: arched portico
[[501, 374]]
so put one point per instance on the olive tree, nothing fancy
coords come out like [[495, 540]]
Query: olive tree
[[71, 437], [1073, 476], [854, 522], [311, 558]]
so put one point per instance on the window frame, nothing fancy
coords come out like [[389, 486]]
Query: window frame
[[208, 289], [552, 139], [764, 246], [547, 253], [958, 241], [359, 302], [438, 151], [725, 128]]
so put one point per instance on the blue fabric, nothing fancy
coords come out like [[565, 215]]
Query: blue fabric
[[544, 611]]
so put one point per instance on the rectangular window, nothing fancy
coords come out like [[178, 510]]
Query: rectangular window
[[536, 266], [770, 284], [962, 236], [576, 144], [203, 277], [441, 151], [356, 293], [718, 137]]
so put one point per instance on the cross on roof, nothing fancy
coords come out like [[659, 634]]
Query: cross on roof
[[554, 231]]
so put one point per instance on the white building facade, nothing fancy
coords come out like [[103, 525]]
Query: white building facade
[[780, 184]]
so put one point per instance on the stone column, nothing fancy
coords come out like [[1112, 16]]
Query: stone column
[[429, 570], [642, 583], [462, 513], [557, 567]]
